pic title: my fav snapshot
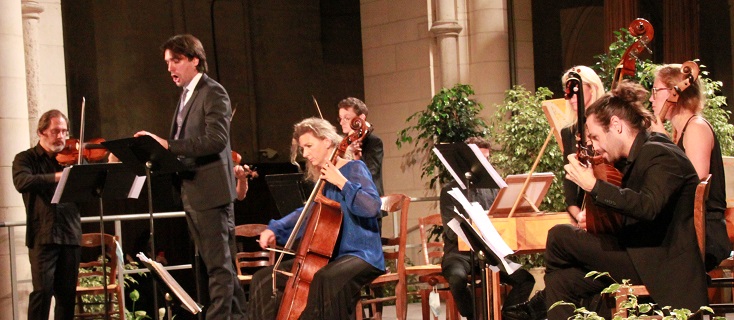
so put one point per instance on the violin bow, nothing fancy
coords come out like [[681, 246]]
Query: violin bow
[[316, 103], [81, 133]]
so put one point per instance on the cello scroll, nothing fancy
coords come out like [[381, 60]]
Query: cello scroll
[[690, 72]]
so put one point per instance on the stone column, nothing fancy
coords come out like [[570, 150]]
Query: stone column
[[31, 15], [14, 137], [446, 29]]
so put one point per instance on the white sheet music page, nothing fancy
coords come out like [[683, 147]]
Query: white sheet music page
[[60, 186], [455, 225], [136, 187], [487, 230]]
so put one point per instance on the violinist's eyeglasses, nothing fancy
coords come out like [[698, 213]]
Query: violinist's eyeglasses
[[655, 91], [56, 132]]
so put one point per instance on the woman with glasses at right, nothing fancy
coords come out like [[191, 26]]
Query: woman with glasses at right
[[695, 136]]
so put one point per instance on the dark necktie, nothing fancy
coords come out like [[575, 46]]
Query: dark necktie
[[179, 113]]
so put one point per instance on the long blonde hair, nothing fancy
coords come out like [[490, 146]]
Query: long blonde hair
[[319, 128]]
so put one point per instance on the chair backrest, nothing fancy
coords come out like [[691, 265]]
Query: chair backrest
[[699, 213], [252, 259], [394, 247], [93, 240], [432, 250]]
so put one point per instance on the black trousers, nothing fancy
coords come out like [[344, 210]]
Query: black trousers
[[570, 254], [213, 234], [333, 293], [456, 268], [54, 269]]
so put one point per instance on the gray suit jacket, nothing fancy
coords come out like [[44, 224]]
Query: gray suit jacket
[[204, 147]]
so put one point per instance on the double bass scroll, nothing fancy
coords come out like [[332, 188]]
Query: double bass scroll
[[644, 32]]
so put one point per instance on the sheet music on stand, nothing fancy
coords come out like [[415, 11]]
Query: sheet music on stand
[[88, 177], [162, 275], [487, 231]]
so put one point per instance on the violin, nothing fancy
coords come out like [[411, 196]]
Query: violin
[[319, 236], [251, 173], [92, 151]]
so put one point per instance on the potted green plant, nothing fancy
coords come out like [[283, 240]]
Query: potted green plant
[[452, 116], [634, 308], [519, 129]]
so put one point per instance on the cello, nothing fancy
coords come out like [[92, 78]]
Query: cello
[[690, 72], [319, 237]]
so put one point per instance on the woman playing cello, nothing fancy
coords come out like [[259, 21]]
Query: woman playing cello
[[357, 258]]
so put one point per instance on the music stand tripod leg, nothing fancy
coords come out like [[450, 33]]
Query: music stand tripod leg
[[148, 166]]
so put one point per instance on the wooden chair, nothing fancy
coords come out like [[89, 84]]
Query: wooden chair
[[699, 222], [394, 250], [247, 261], [430, 272], [720, 281], [86, 309]]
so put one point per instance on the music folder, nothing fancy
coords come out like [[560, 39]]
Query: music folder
[[89, 182], [462, 158], [137, 152], [161, 275]]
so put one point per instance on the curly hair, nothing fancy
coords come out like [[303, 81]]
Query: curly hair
[[627, 103]]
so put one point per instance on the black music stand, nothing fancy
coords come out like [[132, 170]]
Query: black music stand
[[470, 169], [289, 190], [90, 182], [172, 288], [144, 155]]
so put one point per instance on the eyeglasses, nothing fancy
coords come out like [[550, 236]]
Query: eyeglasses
[[655, 91], [55, 132], [345, 119]]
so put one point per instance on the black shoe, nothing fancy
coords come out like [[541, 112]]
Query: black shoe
[[533, 309]]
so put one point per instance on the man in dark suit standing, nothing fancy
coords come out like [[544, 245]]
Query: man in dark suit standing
[[200, 138], [656, 245]]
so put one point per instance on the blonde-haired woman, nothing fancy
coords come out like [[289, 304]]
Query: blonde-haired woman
[[695, 136], [593, 90], [358, 257]]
